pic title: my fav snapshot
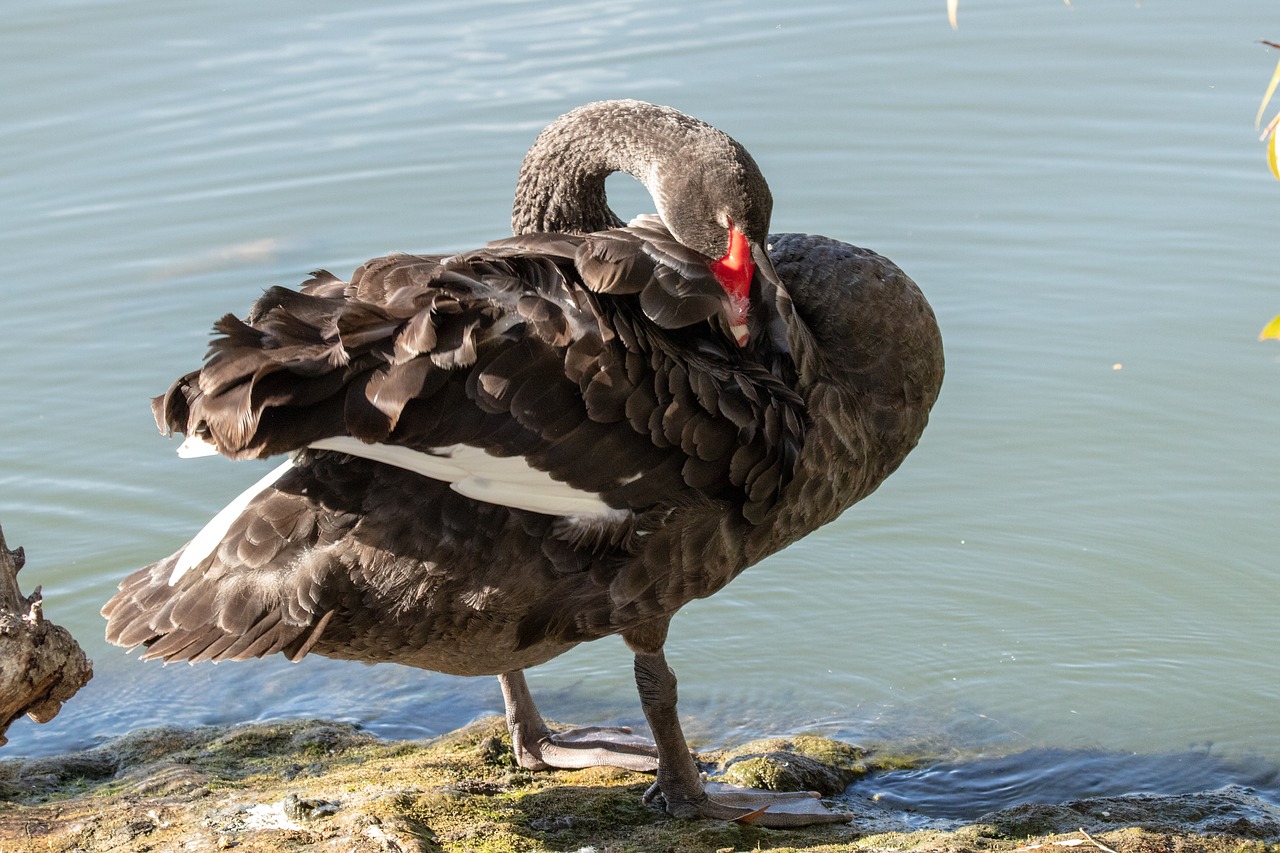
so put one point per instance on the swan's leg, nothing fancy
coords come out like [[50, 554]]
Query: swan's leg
[[537, 748], [679, 781]]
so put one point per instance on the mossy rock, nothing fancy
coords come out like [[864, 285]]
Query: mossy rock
[[806, 763], [305, 738]]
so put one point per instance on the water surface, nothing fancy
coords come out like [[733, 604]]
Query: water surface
[[1081, 553]]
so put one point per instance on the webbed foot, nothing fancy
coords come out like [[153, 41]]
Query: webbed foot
[[538, 748], [772, 809], [590, 746]]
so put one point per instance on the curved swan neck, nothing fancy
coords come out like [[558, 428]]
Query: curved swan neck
[[562, 180]]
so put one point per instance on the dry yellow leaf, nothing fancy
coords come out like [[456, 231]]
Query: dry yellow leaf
[[1271, 330]]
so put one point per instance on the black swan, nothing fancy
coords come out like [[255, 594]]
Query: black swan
[[570, 433]]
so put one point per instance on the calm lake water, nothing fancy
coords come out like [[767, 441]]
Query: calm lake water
[[1082, 553]]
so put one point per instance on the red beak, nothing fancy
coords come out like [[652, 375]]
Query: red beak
[[734, 272]]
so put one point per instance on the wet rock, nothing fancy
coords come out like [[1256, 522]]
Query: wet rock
[[1230, 811], [319, 739], [794, 764], [153, 744]]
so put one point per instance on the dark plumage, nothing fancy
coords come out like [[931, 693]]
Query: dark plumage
[[662, 434]]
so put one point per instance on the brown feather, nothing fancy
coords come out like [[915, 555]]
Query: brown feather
[[514, 352]]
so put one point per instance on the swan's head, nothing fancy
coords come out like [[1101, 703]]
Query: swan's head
[[707, 188], [714, 199]]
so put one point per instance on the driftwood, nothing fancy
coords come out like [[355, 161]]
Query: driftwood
[[41, 665]]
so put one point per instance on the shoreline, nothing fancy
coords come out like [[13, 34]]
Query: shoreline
[[319, 785]]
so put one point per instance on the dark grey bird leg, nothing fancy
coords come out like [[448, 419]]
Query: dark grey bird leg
[[537, 748], [680, 784]]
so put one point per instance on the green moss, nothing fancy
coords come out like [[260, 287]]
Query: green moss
[[805, 763], [223, 788]]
